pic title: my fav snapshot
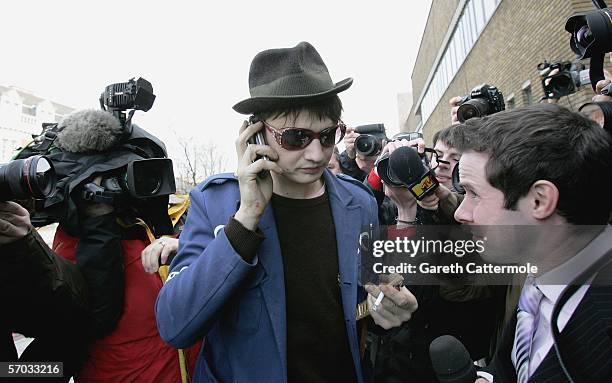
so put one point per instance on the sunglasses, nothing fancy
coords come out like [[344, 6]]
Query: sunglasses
[[297, 138]]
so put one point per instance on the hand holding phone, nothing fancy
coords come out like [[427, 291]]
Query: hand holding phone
[[259, 138], [255, 190]]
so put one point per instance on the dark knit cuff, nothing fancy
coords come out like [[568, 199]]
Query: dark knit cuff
[[243, 240]]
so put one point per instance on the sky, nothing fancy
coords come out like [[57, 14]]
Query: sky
[[197, 55]]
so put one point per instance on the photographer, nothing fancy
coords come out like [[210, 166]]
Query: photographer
[[106, 236], [357, 163], [45, 296], [111, 195]]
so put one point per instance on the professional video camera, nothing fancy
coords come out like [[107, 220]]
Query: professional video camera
[[371, 139], [481, 101], [136, 175], [571, 76]]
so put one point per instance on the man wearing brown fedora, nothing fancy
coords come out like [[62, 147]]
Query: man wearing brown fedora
[[268, 263]]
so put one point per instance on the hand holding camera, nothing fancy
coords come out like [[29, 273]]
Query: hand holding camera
[[349, 142], [370, 140], [14, 222], [405, 164], [562, 78], [255, 191], [454, 103]]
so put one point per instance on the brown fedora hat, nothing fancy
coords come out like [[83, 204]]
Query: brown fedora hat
[[288, 76]]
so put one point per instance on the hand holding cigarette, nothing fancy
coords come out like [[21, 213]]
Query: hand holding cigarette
[[394, 303]]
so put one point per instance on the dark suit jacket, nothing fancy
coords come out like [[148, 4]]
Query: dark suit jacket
[[585, 344]]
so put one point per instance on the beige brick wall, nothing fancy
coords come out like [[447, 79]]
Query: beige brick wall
[[521, 34]]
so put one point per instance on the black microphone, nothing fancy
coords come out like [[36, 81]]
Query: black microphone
[[451, 362], [89, 131], [406, 165]]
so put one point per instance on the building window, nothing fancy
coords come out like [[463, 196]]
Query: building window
[[480, 15], [527, 94], [473, 17], [510, 102], [29, 110]]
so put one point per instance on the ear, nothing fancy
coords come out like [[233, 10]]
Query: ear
[[544, 197]]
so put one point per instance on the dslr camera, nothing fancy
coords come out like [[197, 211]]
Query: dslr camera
[[29, 178], [482, 101], [571, 76], [591, 37], [371, 139]]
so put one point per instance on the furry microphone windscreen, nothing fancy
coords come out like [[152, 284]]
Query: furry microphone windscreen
[[88, 131]]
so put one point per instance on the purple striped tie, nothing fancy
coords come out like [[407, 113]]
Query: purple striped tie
[[527, 316]]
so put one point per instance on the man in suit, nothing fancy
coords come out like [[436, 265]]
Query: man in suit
[[268, 264], [547, 168]]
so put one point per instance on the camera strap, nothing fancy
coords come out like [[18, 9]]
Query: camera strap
[[596, 69]]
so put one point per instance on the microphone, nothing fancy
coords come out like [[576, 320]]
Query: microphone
[[88, 131], [451, 362], [406, 165]]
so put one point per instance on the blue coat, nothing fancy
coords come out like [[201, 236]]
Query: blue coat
[[239, 307]]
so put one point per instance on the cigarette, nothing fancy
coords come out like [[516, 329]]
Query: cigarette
[[379, 299]]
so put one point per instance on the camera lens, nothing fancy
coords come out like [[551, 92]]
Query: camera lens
[[562, 84], [472, 108], [33, 177], [147, 184], [367, 145], [584, 36]]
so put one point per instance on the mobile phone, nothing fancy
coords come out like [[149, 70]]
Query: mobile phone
[[258, 138]]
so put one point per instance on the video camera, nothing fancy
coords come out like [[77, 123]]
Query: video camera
[[136, 175], [371, 139], [482, 101], [571, 76]]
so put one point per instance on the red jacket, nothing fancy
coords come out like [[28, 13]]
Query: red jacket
[[134, 351]]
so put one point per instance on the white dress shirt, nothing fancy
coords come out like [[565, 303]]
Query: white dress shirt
[[542, 339]]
